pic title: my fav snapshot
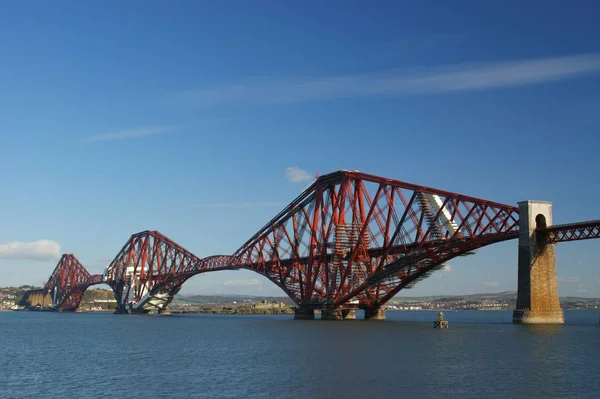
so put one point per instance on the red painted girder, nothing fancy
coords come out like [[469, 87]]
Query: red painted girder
[[68, 272], [299, 247], [406, 270], [336, 178], [158, 265], [570, 232], [69, 280], [373, 253]]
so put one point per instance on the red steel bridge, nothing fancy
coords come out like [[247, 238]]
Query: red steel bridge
[[65, 287], [350, 240]]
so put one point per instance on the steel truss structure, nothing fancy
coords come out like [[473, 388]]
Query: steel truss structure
[[150, 268], [68, 283], [569, 232], [355, 240], [350, 240]]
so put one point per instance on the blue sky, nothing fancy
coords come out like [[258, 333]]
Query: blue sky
[[184, 116]]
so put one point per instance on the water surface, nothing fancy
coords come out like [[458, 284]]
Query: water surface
[[482, 354]]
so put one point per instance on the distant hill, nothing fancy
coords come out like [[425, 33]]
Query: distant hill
[[506, 295], [222, 298], [215, 299]]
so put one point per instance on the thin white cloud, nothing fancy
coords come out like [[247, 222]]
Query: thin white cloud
[[447, 79], [240, 205], [35, 250], [131, 133], [491, 283], [447, 268], [242, 283], [295, 175]]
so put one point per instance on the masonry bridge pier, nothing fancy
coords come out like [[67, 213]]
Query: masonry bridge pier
[[349, 241], [537, 297]]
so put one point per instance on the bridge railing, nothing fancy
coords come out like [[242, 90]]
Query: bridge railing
[[569, 232]]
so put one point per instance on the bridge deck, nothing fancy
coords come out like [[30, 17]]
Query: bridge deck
[[570, 232]]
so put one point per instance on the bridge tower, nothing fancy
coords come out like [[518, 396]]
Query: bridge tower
[[537, 298]]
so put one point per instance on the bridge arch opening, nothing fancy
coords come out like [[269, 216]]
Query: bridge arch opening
[[98, 298], [243, 282], [540, 221], [241, 291]]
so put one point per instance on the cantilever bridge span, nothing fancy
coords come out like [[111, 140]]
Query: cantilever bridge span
[[350, 240], [65, 287]]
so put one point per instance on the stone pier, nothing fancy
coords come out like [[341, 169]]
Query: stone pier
[[332, 314], [37, 297], [349, 314], [537, 298], [121, 309], [304, 314], [374, 314]]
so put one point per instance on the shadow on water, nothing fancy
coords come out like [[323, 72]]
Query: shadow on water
[[544, 329]]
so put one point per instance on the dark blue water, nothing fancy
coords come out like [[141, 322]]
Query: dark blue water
[[482, 354]]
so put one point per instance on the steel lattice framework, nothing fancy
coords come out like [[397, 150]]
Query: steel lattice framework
[[349, 240], [150, 268], [68, 283], [569, 232], [354, 237]]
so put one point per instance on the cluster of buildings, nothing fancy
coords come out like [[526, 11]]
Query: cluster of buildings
[[98, 300], [10, 298], [454, 304], [7, 302], [500, 301], [245, 306], [394, 306]]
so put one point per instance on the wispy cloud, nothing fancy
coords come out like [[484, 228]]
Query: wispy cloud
[[131, 133], [35, 250], [240, 205], [295, 175], [447, 268], [446, 79]]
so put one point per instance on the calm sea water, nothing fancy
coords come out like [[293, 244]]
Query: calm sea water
[[482, 354]]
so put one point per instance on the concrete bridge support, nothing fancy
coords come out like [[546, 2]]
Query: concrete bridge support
[[374, 314], [537, 298], [37, 297], [121, 309], [349, 314], [338, 314], [331, 314], [304, 314], [326, 314]]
